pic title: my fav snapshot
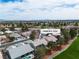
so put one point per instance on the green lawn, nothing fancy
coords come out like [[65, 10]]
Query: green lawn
[[71, 53]]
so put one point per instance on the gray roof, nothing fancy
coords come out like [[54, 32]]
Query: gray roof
[[20, 39], [15, 35], [19, 50]]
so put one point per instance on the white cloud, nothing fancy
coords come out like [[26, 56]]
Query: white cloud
[[71, 1], [40, 9]]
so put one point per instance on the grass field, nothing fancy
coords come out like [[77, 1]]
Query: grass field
[[71, 53]]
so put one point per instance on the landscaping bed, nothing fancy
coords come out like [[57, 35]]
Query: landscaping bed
[[71, 53]]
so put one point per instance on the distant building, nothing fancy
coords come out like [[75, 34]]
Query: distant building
[[20, 51], [71, 27], [17, 29]]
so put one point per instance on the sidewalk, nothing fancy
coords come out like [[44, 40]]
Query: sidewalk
[[1, 57]]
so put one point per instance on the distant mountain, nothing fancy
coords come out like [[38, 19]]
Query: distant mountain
[[25, 21]]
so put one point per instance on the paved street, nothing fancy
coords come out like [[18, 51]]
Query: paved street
[[11, 43]]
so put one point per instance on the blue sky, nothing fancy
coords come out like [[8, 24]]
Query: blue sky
[[5, 1], [39, 9]]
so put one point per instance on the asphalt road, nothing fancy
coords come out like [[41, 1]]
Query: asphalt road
[[11, 43]]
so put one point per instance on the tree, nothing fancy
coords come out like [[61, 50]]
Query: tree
[[51, 45], [11, 39], [55, 25], [64, 24], [3, 29], [76, 24], [66, 35], [73, 33], [43, 25], [12, 28], [32, 35], [50, 25], [24, 28], [19, 25], [40, 52], [60, 40]]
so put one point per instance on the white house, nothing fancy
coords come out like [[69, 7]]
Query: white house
[[1, 32], [50, 31], [8, 32], [18, 29]]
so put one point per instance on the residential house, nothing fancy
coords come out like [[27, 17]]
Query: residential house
[[54, 32], [50, 38], [20, 51], [26, 34], [3, 39]]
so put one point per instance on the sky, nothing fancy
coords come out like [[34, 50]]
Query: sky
[[39, 9]]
